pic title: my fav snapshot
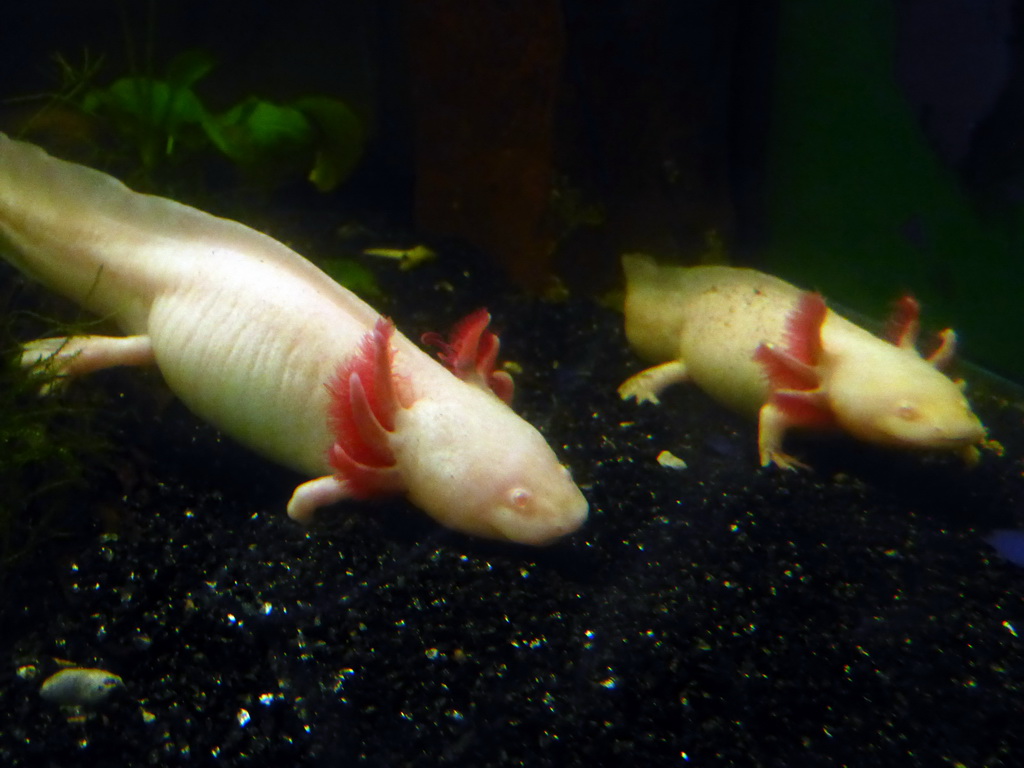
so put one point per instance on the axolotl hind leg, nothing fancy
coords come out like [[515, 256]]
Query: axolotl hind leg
[[68, 356], [648, 384]]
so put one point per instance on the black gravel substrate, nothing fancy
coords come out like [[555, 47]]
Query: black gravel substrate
[[717, 615]]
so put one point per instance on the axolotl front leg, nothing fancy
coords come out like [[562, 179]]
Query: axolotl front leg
[[786, 409]]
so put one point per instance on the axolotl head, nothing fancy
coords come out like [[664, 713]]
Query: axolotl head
[[903, 400], [475, 466]]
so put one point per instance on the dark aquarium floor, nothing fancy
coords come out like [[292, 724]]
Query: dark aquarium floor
[[717, 615]]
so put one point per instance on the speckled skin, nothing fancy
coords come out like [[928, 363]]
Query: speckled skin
[[248, 333], [705, 323]]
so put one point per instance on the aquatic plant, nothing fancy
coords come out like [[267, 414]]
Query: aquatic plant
[[162, 121], [156, 117], [46, 445], [317, 132], [353, 275], [162, 129]]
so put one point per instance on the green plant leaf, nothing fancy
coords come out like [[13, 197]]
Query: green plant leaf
[[256, 131], [339, 145], [189, 67], [352, 275], [149, 113]]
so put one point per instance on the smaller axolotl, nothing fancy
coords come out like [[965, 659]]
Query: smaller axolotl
[[762, 346], [258, 341]]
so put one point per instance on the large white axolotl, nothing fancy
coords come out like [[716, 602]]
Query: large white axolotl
[[762, 346], [259, 342]]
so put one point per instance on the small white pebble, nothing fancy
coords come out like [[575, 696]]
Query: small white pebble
[[80, 686], [670, 460]]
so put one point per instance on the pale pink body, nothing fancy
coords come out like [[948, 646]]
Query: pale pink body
[[248, 333], [705, 324]]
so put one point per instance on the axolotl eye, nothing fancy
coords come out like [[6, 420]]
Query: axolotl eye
[[519, 499], [908, 412]]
